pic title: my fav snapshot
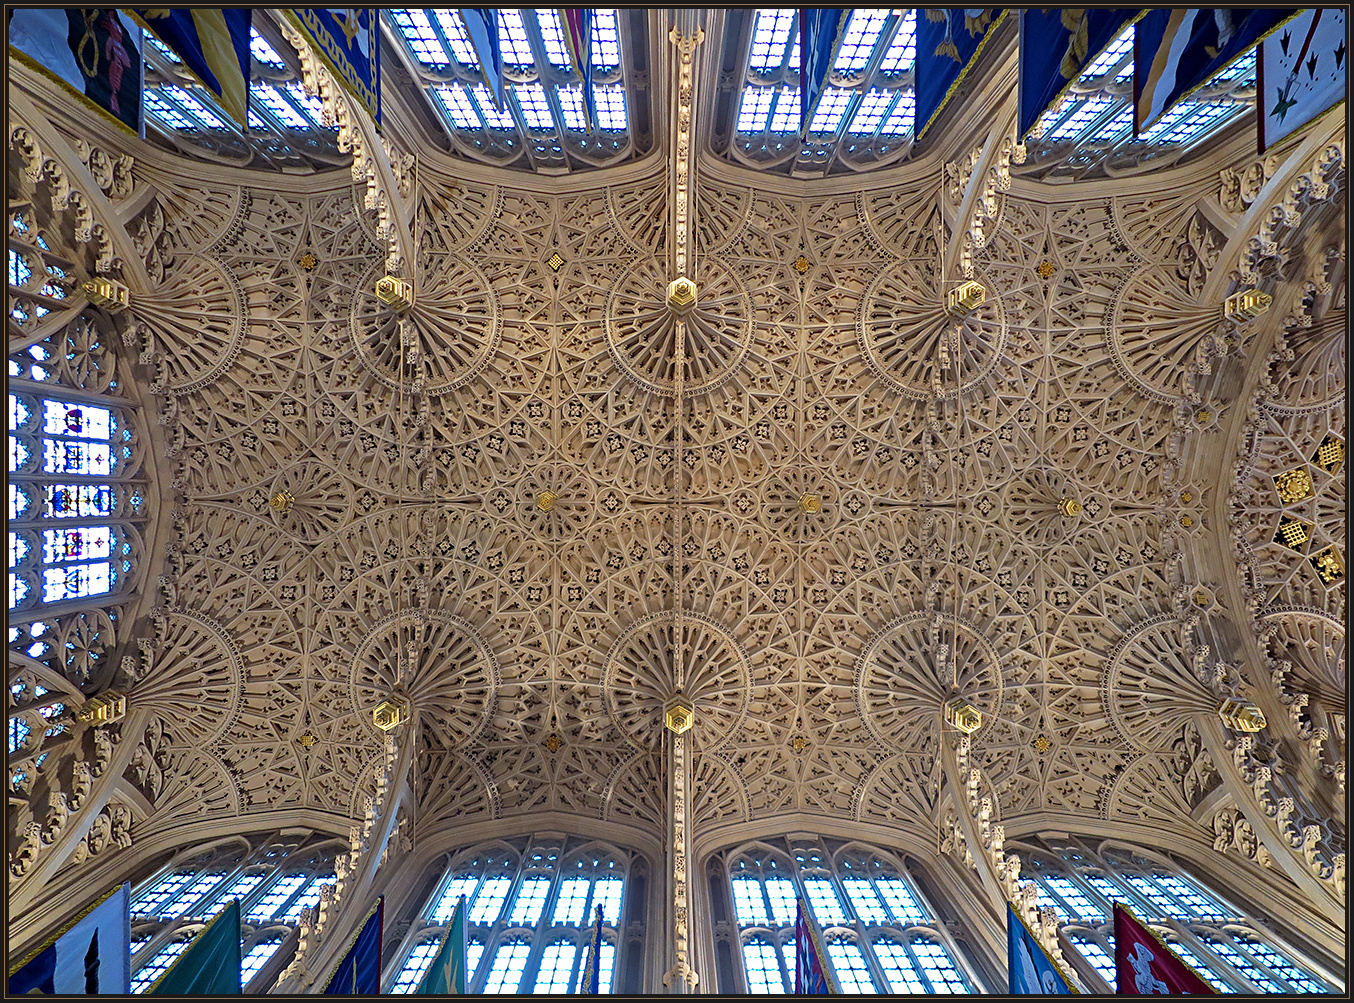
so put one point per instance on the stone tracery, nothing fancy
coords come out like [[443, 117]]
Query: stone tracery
[[417, 504]]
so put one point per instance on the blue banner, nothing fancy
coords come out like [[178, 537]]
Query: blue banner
[[820, 31], [214, 46], [1056, 46], [89, 957], [93, 52], [949, 42], [349, 41], [358, 973], [481, 25], [1176, 51], [1032, 971], [591, 980]]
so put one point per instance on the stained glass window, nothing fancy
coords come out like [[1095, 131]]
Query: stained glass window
[[256, 957]]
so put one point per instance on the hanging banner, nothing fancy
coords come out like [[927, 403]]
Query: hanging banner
[[1176, 51], [1056, 46], [1301, 72], [213, 44], [94, 53], [348, 40], [90, 957], [949, 42]]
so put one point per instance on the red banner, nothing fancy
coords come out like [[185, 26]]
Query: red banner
[[1144, 965]]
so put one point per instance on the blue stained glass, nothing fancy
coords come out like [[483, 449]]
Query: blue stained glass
[[76, 544], [19, 412], [18, 734], [19, 269], [79, 420], [18, 454], [74, 501], [18, 501], [64, 457], [18, 549]]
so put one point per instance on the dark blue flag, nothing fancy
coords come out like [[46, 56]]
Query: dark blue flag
[[213, 44], [591, 980], [349, 42], [820, 31], [1176, 51], [359, 972], [1056, 46], [576, 23], [949, 42], [93, 52]]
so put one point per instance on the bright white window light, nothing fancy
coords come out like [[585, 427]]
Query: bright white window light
[[903, 118], [782, 895], [898, 968], [755, 109], [938, 966], [306, 103], [572, 900], [762, 964], [453, 30], [830, 110], [446, 905], [827, 909], [267, 95], [489, 901], [494, 118], [611, 114], [252, 963], [607, 894], [606, 40], [865, 901], [870, 112], [552, 34], [526, 911], [535, 108], [505, 976], [158, 107], [262, 51], [208, 117], [858, 41], [901, 56], [571, 104], [770, 32], [420, 36], [785, 116], [1115, 127], [1109, 59], [557, 964], [512, 38], [849, 964], [457, 104], [1086, 111]]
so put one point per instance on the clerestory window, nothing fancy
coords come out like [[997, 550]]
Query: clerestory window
[[1210, 934], [530, 906], [881, 935]]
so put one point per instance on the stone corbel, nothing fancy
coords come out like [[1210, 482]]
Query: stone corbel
[[43, 149], [67, 825]]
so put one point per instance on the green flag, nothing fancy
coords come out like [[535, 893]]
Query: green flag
[[211, 965], [447, 974]]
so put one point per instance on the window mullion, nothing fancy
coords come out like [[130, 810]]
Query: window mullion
[[54, 391]]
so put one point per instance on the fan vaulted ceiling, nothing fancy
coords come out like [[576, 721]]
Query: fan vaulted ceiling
[[542, 501]]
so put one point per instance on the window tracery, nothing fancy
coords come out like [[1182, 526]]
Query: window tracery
[[531, 904], [286, 126], [542, 124], [1213, 936], [274, 879], [880, 932]]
